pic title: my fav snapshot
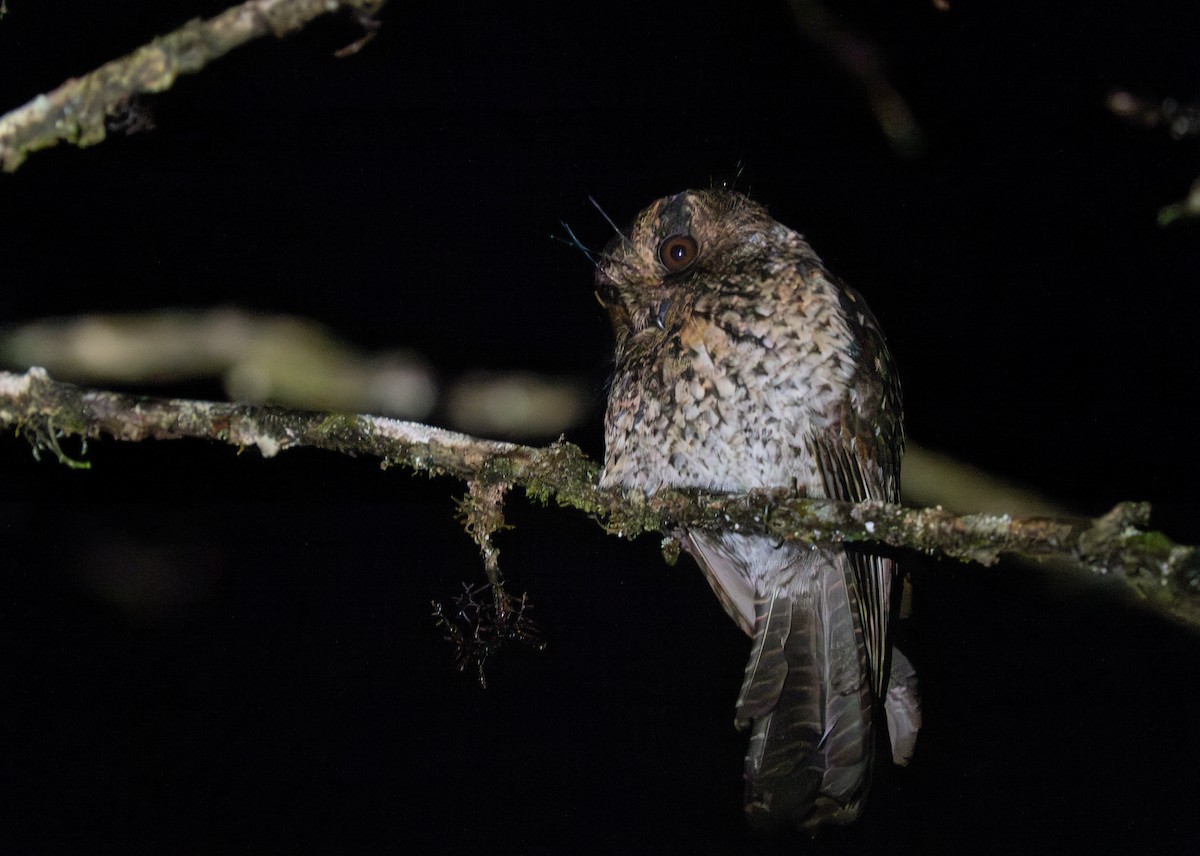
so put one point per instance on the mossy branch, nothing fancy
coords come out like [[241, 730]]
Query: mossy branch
[[79, 111], [1118, 544]]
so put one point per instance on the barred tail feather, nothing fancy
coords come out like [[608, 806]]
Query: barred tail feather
[[807, 697]]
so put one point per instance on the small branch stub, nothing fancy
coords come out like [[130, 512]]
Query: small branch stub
[[482, 515], [486, 617]]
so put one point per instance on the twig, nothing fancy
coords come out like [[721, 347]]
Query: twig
[[861, 59], [1167, 575], [77, 112]]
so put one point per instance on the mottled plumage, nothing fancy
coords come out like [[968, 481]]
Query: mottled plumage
[[742, 363]]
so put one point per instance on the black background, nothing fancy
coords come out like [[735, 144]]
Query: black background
[[1043, 323]]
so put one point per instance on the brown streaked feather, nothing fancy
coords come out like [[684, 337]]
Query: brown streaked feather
[[768, 667]]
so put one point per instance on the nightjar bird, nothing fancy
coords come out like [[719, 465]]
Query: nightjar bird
[[742, 363]]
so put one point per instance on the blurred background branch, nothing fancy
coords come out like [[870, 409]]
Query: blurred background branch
[[1179, 119], [859, 58], [292, 362]]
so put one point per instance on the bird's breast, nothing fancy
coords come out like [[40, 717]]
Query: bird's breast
[[721, 403]]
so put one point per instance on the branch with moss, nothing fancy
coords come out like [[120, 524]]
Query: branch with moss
[[81, 110], [1118, 545]]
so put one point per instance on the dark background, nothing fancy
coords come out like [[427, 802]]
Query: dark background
[[288, 690]]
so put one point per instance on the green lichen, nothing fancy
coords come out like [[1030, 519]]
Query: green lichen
[[44, 436], [1152, 543], [562, 472], [342, 430], [481, 513]]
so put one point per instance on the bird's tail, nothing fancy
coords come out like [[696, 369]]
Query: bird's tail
[[807, 698]]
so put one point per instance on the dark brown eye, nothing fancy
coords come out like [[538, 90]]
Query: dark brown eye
[[677, 252]]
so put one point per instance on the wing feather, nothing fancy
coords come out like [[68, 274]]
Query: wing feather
[[858, 458], [847, 476]]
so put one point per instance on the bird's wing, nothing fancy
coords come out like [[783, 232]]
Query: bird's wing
[[847, 476], [858, 457]]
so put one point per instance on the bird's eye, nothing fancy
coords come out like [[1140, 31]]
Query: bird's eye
[[677, 252]]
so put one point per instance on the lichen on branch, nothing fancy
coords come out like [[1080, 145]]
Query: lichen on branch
[[1118, 545]]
